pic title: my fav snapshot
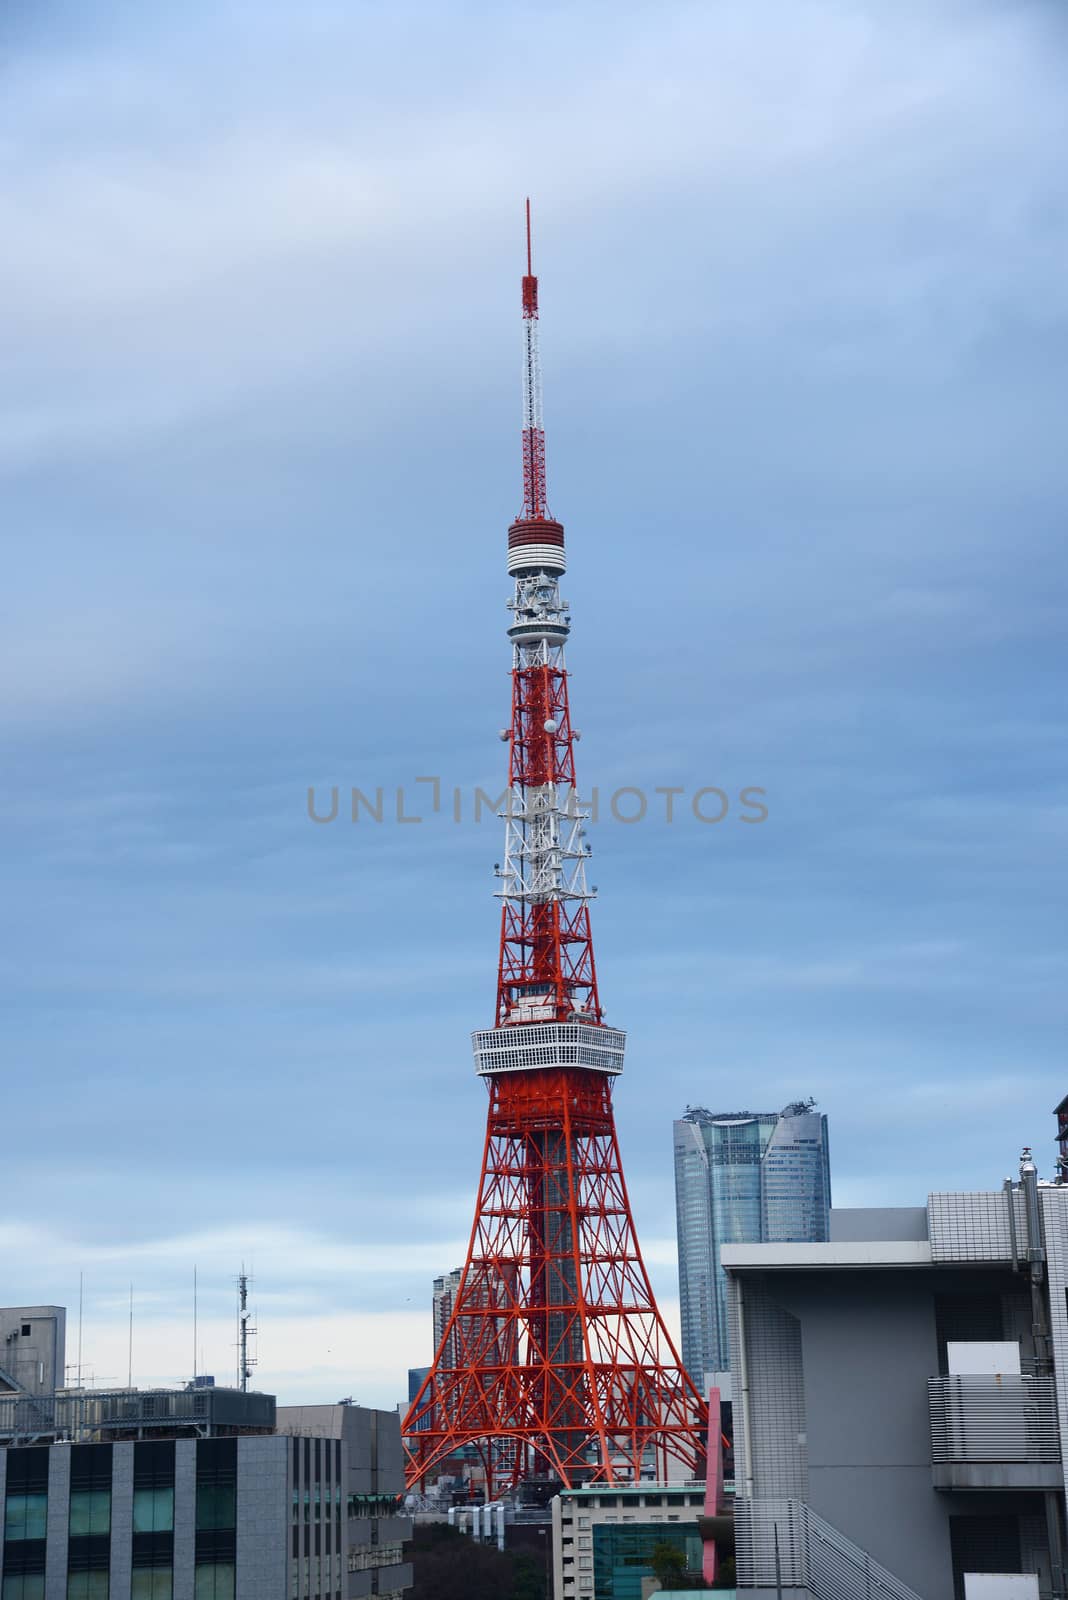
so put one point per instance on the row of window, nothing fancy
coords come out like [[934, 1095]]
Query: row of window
[[26, 1515], [319, 1507], [603, 1500], [321, 1458], [366, 1558], [319, 1575], [212, 1581]]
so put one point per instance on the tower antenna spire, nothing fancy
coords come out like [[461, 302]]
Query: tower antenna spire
[[534, 501]]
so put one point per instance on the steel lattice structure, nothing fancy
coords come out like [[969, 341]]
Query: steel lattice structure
[[555, 1362]]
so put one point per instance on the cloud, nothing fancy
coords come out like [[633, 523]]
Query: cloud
[[804, 320], [320, 1326]]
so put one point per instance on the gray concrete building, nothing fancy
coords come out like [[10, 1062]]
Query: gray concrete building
[[901, 1400], [368, 1486], [603, 1537], [32, 1349], [198, 1494]]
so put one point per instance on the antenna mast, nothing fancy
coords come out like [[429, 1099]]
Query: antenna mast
[[534, 498], [245, 1331]]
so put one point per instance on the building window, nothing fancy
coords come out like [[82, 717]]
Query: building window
[[153, 1510], [216, 1505], [152, 1583], [26, 1517], [90, 1511], [214, 1581], [87, 1586], [23, 1586], [89, 1522]]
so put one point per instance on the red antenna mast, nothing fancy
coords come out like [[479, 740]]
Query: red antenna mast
[[533, 429], [555, 1362]]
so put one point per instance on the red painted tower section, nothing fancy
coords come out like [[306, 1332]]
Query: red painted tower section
[[555, 1363]]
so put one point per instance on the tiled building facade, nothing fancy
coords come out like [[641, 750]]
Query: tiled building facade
[[289, 1515]]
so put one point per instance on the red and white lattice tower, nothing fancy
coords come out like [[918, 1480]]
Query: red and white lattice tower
[[555, 1362]]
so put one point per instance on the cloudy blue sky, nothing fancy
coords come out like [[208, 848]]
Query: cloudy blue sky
[[805, 326]]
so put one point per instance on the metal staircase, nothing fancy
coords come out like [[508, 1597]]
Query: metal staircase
[[783, 1544]]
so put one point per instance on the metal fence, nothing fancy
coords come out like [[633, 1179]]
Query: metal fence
[[126, 1413], [1005, 1418], [783, 1544]]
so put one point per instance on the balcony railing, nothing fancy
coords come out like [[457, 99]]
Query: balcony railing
[[1007, 1419]]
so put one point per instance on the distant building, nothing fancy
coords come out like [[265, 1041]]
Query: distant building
[[1061, 1113], [445, 1291], [494, 1339], [604, 1538], [739, 1177], [417, 1376], [362, 1455], [197, 1493], [905, 1417]]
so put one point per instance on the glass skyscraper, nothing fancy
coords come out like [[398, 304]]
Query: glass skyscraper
[[740, 1177]]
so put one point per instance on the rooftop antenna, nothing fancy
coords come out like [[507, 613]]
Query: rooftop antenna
[[129, 1363], [245, 1330], [194, 1324], [81, 1301]]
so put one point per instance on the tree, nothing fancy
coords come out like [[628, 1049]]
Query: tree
[[449, 1565], [669, 1564]]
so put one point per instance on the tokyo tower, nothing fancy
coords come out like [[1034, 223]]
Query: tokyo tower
[[555, 1362]]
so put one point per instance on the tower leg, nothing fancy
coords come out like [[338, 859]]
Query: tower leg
[[555, 1361]]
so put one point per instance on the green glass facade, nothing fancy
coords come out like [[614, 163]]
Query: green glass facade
[[622, 1555]]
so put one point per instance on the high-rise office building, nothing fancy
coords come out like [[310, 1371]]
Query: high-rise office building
[[741, 1177], [487, 1288], [445, 1291]]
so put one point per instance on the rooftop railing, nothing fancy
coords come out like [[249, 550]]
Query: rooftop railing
[[128, 1413]]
